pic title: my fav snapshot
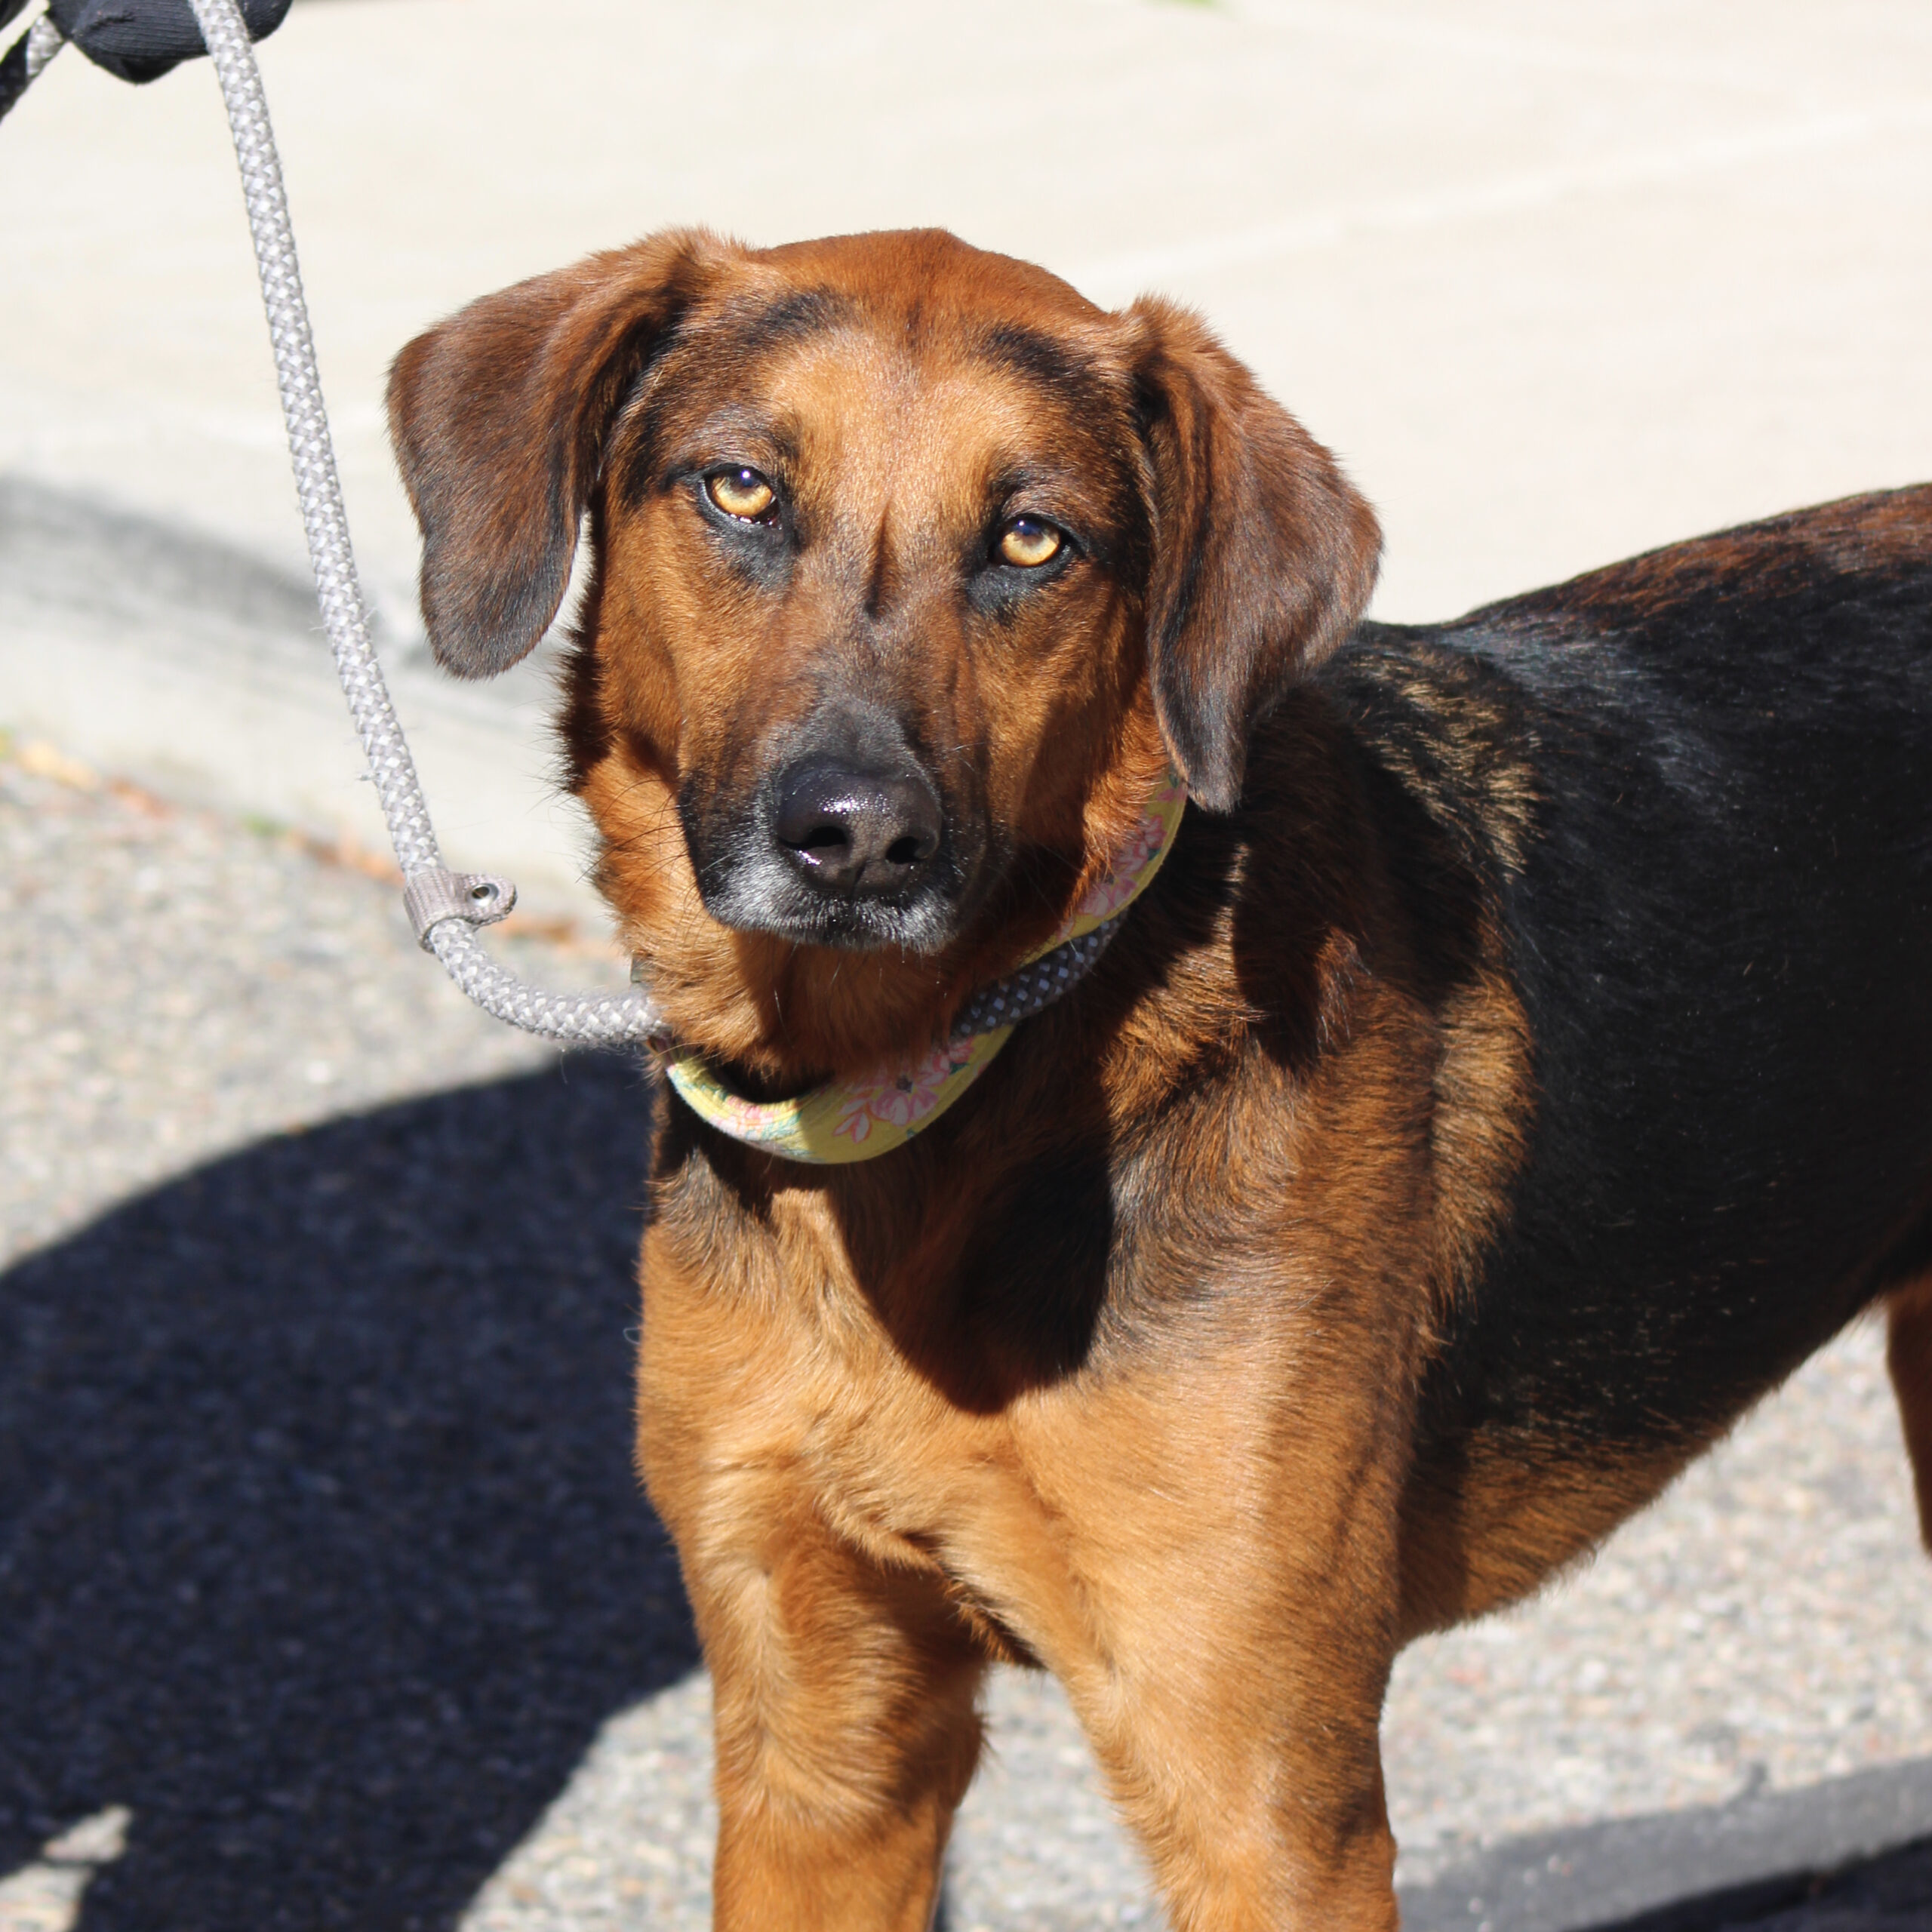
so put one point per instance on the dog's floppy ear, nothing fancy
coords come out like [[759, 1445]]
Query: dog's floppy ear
[[1263, 555], [498, 417]]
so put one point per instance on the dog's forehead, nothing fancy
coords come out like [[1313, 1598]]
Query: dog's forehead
[[858, 394], [926, 281], [892, 353]]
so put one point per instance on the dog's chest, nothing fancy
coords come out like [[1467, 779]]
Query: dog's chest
[[781, 1390]]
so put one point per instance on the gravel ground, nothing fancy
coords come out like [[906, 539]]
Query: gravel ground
[[330, 1601], [178, 985], [1769, 1624]]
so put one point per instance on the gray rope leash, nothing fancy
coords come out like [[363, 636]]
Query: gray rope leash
[[23, 63], [1035, 988], [444, 907], [44, 40]]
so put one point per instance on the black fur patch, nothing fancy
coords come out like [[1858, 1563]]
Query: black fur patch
[[1721, 930]]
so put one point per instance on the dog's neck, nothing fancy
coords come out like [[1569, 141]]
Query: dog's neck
[[860, 1119]]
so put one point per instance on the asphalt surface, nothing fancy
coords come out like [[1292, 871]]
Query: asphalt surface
[[324, 1559], [322, 1556]]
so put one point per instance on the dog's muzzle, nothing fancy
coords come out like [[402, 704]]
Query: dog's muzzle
[[856, 834], [847, 843]]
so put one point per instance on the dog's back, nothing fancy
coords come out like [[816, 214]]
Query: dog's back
[[1692, 792]]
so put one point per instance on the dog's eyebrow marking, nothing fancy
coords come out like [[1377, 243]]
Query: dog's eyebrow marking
[[749, 328], [1021, 480], [733, 338], [645, 464], [1040, 359], [761, 438]]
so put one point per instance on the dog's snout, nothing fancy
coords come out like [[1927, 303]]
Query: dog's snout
[[854, 832], [848, 840]]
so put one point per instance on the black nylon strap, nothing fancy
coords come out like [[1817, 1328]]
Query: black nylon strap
[[140, 40]]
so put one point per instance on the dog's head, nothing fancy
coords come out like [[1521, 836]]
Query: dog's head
[[913, 570]]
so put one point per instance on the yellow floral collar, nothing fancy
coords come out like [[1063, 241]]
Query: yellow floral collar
[[858, 1119]]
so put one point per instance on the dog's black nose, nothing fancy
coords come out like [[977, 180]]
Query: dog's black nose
[[860, 834]]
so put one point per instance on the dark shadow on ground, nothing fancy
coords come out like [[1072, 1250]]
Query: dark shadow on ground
[[319, 1551], [1850, 1854], [319, 1545], [1890, 1894]]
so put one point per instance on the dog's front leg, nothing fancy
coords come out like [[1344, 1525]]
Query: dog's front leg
[[1256, 1790], [1228, 1641], [843, 1693], [846, 1734], [1255, 1786]]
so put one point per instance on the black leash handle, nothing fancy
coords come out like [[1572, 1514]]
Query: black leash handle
[[134, 40]]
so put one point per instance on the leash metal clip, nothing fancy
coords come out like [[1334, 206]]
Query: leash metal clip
[[434, 894]]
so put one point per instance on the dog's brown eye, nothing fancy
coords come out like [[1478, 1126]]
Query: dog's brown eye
[[1029, 543], [741, 493]]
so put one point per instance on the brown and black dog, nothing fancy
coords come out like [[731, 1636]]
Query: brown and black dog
[[1523, 1061]]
